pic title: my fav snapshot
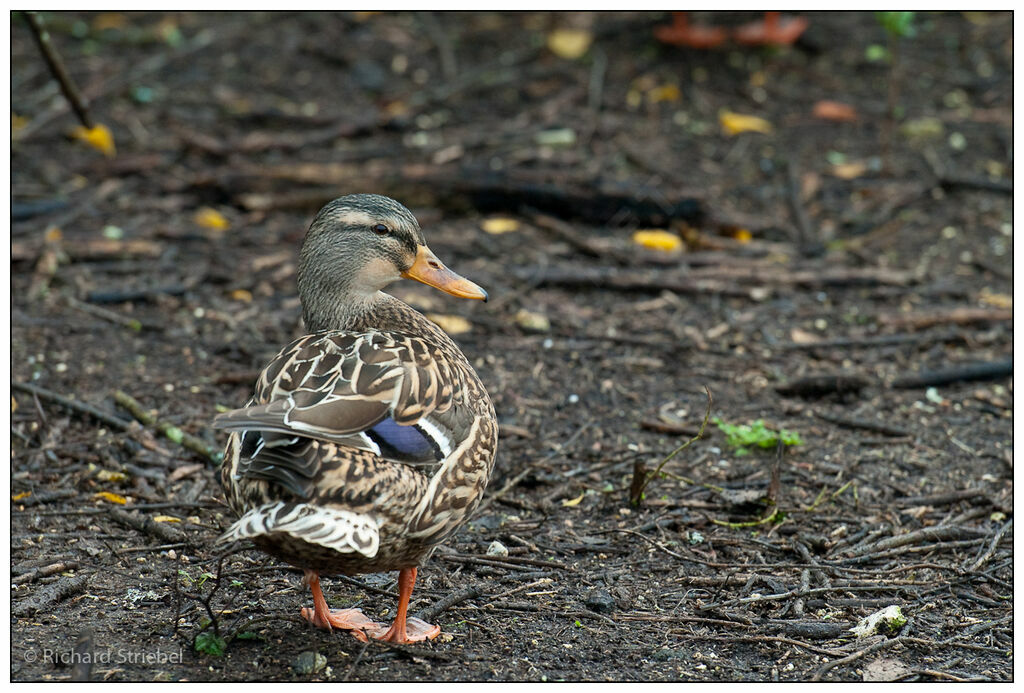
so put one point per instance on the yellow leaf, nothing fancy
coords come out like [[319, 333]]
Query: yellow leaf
[[166, 518], [112, 497], [536, 322], [107, 475], [53, 235], [657, 239], [854, 169], [573, 502], [666, 92], [210, 218], [21, 496], [996, 300], [735, 123], [499, 225], [109, 20], [242, 295], [742, 235], [17, 122], [569, 43], [452, 324], [14, 404], [99, 137]]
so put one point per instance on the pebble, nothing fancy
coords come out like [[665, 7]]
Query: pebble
[[497, 549], [309, 662], [600, 601]]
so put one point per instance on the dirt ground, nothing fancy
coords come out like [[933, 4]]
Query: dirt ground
[[848, 281]]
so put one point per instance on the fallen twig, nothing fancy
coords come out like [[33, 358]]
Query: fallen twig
[[926, 534], [864, 424], [56, 65], [145, 524], [821, 385], [51, 594], [45, 571], [170, 431], [966, 373], [990, 551], [877, 647], [641, 478], [956, 316], [76, 406], [440, 606]]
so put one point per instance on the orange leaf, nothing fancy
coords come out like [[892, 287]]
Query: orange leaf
[[834, 110]]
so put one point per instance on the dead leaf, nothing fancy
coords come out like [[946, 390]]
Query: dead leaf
[[535, 322], [657, 239], [210, 218], [180, 473], [166, 518], [885, 670], [666, 92], [499, 225], [835, 111], [107, 475], [799, 336], [849, 171], [569, 43], [112, 497], [18, 122], [572, 503], [21, 496], [98, 137], [735, 123], [997, 300], [243, 295], [452, 324]]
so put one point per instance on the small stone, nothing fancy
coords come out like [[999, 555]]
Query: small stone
[[309, 663], [497, 549], [600, 601]]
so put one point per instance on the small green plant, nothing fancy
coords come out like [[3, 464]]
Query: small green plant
[[756, 434], [210, 643]]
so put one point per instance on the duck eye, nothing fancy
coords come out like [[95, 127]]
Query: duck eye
[[381, 229]]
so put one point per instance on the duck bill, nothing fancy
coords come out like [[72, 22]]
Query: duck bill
[[432, 272]]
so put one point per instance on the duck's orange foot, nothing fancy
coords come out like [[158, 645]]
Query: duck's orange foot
[[352, 620], [681, 33], [414, 630], [772, 30]]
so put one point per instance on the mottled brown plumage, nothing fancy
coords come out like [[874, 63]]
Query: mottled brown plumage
[[369, 441]]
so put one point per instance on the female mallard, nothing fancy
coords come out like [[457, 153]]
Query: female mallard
[[369, 441]]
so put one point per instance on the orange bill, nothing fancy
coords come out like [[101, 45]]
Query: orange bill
[[432, 272]]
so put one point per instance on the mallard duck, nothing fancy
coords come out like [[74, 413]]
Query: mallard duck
[[369, 441]]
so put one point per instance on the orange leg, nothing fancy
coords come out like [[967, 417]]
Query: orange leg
[[352, 620], [404, 629]]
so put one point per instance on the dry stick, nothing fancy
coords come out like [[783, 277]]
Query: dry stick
[[864, 424], [147, 525], [74, 405], [807, 243], [112, 316], [636, 490], [925, 534], [879, 341], [51, 594], [431, 612], [990, 551], [514, 481], [966, 373], [878, 646], [171, 432], [56, 65], [45, 571]]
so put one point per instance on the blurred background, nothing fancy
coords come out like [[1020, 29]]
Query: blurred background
[[810, 214]]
